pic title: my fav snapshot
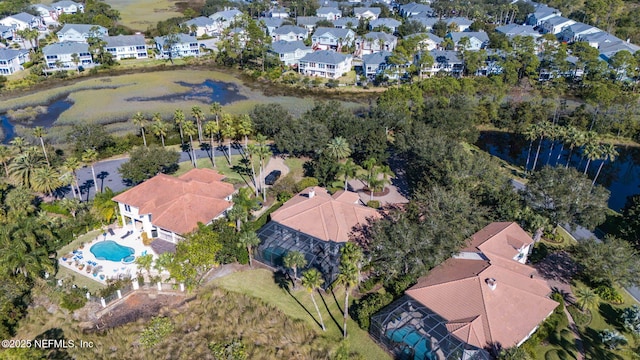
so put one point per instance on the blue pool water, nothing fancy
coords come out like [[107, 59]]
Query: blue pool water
[[410, 336], [111, 250]]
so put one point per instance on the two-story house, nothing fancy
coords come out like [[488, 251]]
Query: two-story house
[[289, 33], [48, 14], [60, 56], [555, 24], [414, 9], [126, 46], [541, 14], [573, 32], [67, 7], [346, 23], [289, 52], [80, 32], [381, 23], [368, 13], [200, 26], [22, 21], [11, 60], [329, 13], [308, 22], [270, 24], [332, 38], [475, 40], [223, 19], [325, 63], [176, 46], [375, 41], [426, 41], [278, 12], [378, 64], [513, 30], [6, 32], [446, 61]]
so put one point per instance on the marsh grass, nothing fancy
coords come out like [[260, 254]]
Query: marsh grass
[[27, 114], [140, 14]]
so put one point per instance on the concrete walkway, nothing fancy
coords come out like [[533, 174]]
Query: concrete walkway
[[393, 197]]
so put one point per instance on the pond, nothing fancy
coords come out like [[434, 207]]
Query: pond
[[621, 177], [206, 92], [45, 119]]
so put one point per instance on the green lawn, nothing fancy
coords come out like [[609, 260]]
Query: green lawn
[[295, 166], [297, 304]]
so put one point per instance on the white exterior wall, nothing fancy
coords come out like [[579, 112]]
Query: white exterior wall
[[20, 25], [67, 62], [328, 71], [288, 37], [128, 52], [8, 67], [292, 58], [180, 50]]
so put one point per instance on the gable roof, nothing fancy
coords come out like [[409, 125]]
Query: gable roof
[[308, 20], [23, 17], [504, 239], [124, 40], [362, 10], [271, 22], [328, 10], [558, 20], [65, 3], [225, 15], [431, 36], [388, 22], [480, 35], [445, 56], [66, 47], [323, 216], [286, 29], [376, 58], [81, 28], [283, 46], [10, 54], [182, 39], [343, 21], [516, 29], [179, 203], [335, 32], [200, 21], [486, 301], [377, 35]]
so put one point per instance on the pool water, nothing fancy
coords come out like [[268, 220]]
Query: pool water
[[111, 250], [410, 336]]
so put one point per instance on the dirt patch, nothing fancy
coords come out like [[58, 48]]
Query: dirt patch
[[141, 305]]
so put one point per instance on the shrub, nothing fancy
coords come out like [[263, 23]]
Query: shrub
[[156, 331], [54, 208], [233, 350], [368, 284], [612, 338], [283, 196], [540, 251], [368, 305], [373, 204], [631, 318], [580, 318], [305, 183], [397, 286], [610, 294], [73, 299]]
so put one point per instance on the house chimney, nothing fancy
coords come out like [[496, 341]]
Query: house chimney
[[492, 283], [312, 193]]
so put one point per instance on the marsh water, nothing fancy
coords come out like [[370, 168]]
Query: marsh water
[[621, 177], [45, 119]]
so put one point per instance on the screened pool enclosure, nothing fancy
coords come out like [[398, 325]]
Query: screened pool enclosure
[[277, 240], [411, 331]]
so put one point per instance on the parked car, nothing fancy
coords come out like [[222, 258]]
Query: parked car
[[272, 177]]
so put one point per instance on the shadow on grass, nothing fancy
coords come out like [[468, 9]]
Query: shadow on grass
[[336, 299], [281, 279], [611, 315], [335, 321], [594, 348]]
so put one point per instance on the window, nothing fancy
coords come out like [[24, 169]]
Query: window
[[127, 208], [141, 47], [321, 66]]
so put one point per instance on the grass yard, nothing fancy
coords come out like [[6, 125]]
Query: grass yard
[[140, 14], [295, 166], [297, 304], [222, 166]]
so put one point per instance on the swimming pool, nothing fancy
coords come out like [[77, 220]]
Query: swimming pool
[[111, 250], [410, 336]]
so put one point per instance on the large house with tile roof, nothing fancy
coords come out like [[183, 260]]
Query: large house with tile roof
[[315, 223], [166, 207], [481, 297]]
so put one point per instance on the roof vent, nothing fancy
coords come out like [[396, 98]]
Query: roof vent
[[312, 193], [492, 283]]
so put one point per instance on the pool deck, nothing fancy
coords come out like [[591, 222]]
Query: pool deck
[[108, 269]]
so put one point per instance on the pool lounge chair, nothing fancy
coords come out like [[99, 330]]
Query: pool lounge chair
[[111, 232]]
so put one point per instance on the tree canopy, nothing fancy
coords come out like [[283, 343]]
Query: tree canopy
[[144, 163]]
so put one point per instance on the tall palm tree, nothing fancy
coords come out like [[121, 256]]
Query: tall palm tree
[[244, 128], [589, 138], [294, 260], [90, 156], [179, 119], [349, 169], [75, 59], [248, 240], [22, 167], [592, 152], [71, 164], [553, 134], [159, 127], [140, 120], [103, 207], [46, 180], [348, 277], [530, 133], [212, 129], [190, 130], [5, 157], [586, 298], [71, 205], [18, 144], [541, 131], [198, 115], [338, 148], [263, 152], [39, 132], [607, 152], [312, 280], [252, 149], [573, 137], [228, 131], [215, 110]]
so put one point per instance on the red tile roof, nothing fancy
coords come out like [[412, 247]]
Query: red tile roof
[[504, 239], [178, 203], [458, 290], [326, 217]]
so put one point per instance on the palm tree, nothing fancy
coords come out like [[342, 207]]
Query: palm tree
[[141, 121], [179, 119], [228, 130], [76, 60], [5, 157], [103, 207], [348, 277], [349, 169], [39, 132], [561, 133], [607, 152], [244, 128], [338, 148], [23, 166], [159, 127], [18, 143], [573, 137], [312, 280], [263, 153], [71, 205], [145, 262], [71, 164], [294, 260], [530, 133], [245, 203], [592, 152], [45, 180], [252, 149], [90, 156], [541, 131], [553, 133], [198, 115], [189, 129], [248, 239], [211, 129], [215, 110], [586, 298]]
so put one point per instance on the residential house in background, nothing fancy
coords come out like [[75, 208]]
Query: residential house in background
[[414, 9], [325, 63], [346, 23], [61, 55], [270, 24], [600, 39], [48, 14], [378, 64], [483, 296], [332, 38], [555, 24], [223, 19], [11, 60], [289, 52], [308, 22], [316, 224], [80, 32], [22, 21], [428, 41], [460, 23], [542, 13], [202, 26], [446, 61], [289, 33], [427, 22], [166, 207], [368, 13], [67, 7], [329, 13], [6, 32], [278, 12], [476, 39], [184, 45], [389, 23], [513, 30], [573, 32], [375, 41], [126, 46]]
